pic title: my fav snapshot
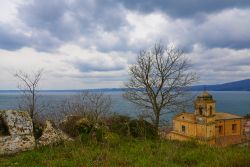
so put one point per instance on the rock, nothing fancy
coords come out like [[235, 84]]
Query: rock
[[18, 135], [51, 135]]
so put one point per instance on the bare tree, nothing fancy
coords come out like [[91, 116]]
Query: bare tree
[[28, 86], [92, 105], [158, 81], [96, 104]]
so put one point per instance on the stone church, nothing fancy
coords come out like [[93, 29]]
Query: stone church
[[207, 125]]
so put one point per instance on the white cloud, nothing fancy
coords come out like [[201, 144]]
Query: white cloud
[[8, 10], [62, 69]]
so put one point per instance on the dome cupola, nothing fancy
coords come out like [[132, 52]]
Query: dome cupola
[[205, 96], [204, 104]]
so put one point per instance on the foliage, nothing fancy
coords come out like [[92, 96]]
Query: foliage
[[111, 138], [118, 124], [83, 126], [142, 129], [124, 126], [68, 125]]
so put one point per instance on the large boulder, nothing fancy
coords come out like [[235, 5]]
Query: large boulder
[[51, 135], [16, 132]]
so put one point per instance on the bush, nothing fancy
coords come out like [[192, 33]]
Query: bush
[[118, 124], [94, 134], [142, 129], [83, 126], [99, 133], [111, 138], [68, 125], [123, 126]]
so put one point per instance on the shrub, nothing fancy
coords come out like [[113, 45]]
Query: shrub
[[83, 126], [123, 126], [94, 134], [99, 133], [118, 124], [141, 128], [68, 125], [111, 138]]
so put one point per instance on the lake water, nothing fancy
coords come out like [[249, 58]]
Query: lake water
[[235, 102]]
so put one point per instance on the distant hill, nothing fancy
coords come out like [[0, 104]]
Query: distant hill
[[242, 85]]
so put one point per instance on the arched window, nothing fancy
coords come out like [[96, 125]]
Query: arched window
[[211, 110], [200, 110]]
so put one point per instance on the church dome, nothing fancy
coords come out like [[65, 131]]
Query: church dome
[[205, 96]]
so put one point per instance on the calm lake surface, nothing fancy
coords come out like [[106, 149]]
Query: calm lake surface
[[237, 102]]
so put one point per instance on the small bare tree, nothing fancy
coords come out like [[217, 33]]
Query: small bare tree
[[93, 105], [96, 105], [28, 86], [158, 81]]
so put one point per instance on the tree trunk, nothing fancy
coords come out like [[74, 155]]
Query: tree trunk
[[157, 120]]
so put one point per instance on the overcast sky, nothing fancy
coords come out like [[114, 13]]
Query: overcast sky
[[90, 43]]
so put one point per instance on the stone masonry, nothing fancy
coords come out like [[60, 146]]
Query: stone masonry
[[51, 135], [19, 135]]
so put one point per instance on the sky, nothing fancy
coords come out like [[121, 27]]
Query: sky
[[84, 44]]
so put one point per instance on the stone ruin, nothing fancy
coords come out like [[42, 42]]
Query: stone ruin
[[51, 135], [16, 132]]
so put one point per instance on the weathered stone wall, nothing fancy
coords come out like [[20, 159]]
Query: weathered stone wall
[[51, 135], [20, 130]]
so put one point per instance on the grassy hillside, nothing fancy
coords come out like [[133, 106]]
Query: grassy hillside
[[131, 152]]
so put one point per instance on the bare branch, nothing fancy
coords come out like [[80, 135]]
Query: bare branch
[[158, 80], [28, 86]]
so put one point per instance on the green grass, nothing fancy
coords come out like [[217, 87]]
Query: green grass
[[130, 152]]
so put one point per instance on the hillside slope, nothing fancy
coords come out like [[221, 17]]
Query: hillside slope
[[243, 85]]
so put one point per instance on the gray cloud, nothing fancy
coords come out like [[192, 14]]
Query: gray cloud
[[184, 8], [104, 25], [44, 15], [90, 67], [70, 20], [10, 39], [220, 65]]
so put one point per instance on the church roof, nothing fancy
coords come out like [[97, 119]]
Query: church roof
[[223, 115], [190, 117]]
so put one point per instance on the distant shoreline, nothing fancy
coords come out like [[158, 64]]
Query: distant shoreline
[[242, 85], [108, 90]]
